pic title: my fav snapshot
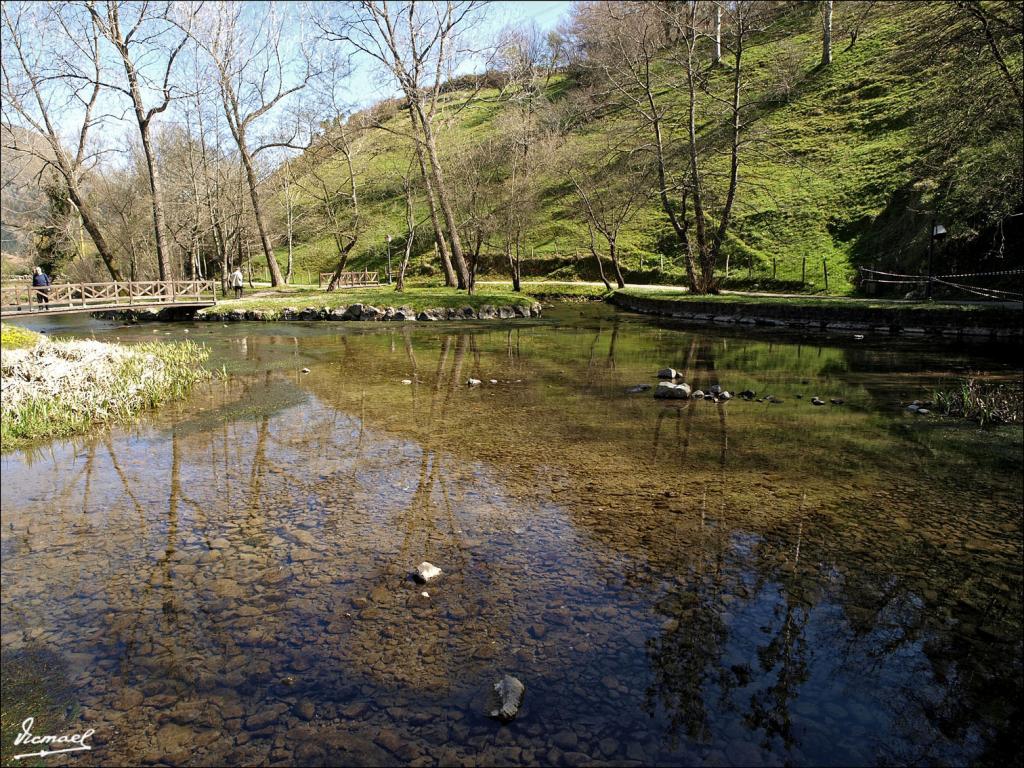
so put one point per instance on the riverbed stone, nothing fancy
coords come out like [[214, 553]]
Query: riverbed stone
[[507, 698], [305, 709], [427, 571], [668, 373], [565, 740], [670, 391]]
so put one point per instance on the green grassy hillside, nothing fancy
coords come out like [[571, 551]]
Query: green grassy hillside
[[843, 169]]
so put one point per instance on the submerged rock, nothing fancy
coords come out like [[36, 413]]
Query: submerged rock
[[817, 401], [426, 571], [507, 698], [748, 394], [637, 388], [473, 382], [670, 391], [837, 401]]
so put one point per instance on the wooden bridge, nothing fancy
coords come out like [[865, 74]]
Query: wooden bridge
[[64, 298]]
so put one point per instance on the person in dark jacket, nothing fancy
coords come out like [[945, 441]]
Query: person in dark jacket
[[41, 282]]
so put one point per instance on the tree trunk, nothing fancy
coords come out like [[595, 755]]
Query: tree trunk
[[163, 256], [716, 56], [94, 232], [680, 227], [442, 245], [614, 254], [343, 254], [458, 259], [700, 285], [410, 235], [290, 225], [826, 33], [276, 278]]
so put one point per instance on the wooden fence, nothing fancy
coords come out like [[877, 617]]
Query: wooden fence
[[348, 279], [79, 297]]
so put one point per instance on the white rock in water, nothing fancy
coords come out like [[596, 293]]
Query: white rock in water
[[305, 370], [667, 373], [407, 381], [913, 407], [494, 381], [473, 383], [426, 571], [724, 396], [508, 698], [667, 389]]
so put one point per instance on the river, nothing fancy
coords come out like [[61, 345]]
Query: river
[[228, 581]]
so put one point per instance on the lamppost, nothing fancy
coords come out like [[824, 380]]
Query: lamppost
[[937, 233], [389, 259]]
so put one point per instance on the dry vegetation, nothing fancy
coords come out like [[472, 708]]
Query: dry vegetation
[[58, 388]]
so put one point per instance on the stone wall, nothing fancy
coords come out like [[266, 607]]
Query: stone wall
[[985, 323], [352, 312]]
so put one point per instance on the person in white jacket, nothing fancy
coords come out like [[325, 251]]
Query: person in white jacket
[[236, 282]]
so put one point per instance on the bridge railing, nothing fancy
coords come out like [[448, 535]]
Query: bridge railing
[[348, 279], [68, 296]]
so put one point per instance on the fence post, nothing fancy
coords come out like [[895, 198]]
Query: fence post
[[824, 268], [803, 270], [774, 260]]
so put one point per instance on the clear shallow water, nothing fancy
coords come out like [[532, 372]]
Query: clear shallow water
[[674, 583]]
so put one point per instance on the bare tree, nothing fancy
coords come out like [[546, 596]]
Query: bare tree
[[334, 190], [257, 71], [147, 34], [52, 71], [627, 43], [610, 194], [418, 44], [530, 133], [410, 228]]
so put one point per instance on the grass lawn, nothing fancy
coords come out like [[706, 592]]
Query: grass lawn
[[273, 302]]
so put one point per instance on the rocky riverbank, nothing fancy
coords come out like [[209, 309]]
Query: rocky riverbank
[[859, 317], [361, 312]]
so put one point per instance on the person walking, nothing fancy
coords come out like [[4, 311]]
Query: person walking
[[41, 283], [236, 282]]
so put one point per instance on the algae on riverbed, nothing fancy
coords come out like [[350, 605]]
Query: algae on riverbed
[[674, 583]]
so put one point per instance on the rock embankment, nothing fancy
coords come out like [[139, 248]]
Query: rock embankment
[[837, 317], [361, 312]]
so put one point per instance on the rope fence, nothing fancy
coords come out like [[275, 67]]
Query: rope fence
[[896, 278]]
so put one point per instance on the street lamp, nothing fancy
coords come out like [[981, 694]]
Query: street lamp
[[389, 259], [937, 233]]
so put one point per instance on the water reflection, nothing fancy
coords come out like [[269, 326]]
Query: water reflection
[[675, 582]]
